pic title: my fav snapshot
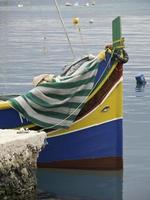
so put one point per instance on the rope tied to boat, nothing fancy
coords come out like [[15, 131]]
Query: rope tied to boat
[[76, 23], [65, 30]]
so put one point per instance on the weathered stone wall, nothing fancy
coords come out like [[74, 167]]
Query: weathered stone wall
[[18, 155]]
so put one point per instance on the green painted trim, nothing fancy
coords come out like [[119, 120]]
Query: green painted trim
[[116, 32]]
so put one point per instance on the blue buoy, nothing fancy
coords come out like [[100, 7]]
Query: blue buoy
[[140, 80]]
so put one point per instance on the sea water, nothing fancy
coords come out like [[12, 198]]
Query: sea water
[[32, 42]]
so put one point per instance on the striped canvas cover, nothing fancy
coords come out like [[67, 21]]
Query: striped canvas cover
[[56, 104]]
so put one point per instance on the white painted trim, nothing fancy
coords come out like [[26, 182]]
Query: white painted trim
[[85, 127]]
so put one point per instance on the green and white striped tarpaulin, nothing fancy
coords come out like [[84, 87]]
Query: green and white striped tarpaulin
[[55, 104]]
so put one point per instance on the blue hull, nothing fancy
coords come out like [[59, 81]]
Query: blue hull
[[101, 141]]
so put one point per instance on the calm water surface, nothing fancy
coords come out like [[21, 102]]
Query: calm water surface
[[32, 42]]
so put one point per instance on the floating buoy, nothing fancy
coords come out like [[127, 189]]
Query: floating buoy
[[91, 21], [140, 79], [87, 4], [76, 4], [75, 20], [20, 5], [68, 4]]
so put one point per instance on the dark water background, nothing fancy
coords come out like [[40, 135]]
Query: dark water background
[[32, 42]]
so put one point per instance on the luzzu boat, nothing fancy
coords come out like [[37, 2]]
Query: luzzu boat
[[84, 117]]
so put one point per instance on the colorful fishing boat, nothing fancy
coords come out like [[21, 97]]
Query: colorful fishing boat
[[81, 111]]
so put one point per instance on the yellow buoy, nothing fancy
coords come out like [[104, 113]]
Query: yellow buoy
[[75, 20]]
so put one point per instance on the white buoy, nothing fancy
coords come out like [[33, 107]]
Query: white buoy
[[68, 4], [93, 3], [20, 5], [87, 4], [76, 3], [91, 21]]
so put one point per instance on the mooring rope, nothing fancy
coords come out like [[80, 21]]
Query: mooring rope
[[63, 24]]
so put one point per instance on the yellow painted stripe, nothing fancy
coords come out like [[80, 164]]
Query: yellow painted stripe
[[4, 105], [113, 100]]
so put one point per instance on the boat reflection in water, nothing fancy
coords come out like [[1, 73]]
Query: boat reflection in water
[[81, 184]]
